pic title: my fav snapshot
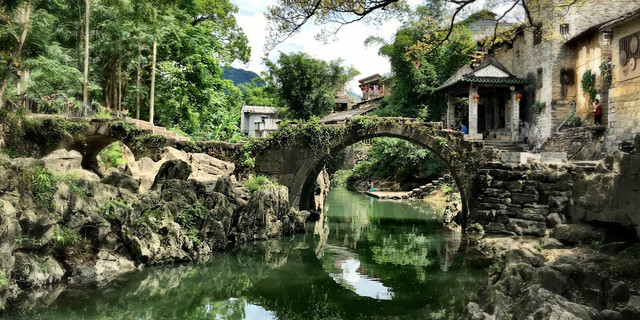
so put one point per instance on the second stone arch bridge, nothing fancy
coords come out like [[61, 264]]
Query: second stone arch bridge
[[295, 155]]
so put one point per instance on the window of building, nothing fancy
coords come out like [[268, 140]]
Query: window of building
[[539, 78], [564, 29]]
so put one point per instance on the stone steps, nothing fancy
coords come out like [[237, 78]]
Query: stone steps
[[422, 191], [501, 145], [144, 125], [588, 166]]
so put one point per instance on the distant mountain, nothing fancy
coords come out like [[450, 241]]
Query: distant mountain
[[354, 95], [238, 76]]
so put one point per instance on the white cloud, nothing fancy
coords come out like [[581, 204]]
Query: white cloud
[[349, 45]]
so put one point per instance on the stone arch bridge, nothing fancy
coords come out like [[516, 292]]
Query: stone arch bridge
[[295, 160], [504, 198]]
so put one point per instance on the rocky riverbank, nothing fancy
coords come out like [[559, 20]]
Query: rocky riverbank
[[60, 223], [540, 278]]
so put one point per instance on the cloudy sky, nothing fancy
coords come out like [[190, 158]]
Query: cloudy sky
[[348, 45]]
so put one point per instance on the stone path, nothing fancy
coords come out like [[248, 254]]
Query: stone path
[[145, 125], [388, 194]]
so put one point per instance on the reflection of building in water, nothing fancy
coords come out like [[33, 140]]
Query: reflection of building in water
[[447, 249]]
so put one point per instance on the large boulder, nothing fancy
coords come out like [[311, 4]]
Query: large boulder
[[62, 160], [106, 267], [121, 180], [577, 233], [539, 303], [35, 271], [68, 162], [172, 169]]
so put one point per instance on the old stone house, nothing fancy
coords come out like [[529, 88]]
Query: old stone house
[[555, 58]]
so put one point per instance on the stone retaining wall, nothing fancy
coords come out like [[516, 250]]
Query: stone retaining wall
[[522, 199], [580, 143]]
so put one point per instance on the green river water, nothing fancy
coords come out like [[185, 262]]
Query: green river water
[[364, 259]]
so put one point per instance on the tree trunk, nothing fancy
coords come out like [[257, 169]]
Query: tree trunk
[[138, 79], [16, 54], [119, 85], [153, 79], [85, 80]]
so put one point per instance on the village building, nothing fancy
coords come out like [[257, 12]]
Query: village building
[[557, 70], [374, 87], [258, 121]]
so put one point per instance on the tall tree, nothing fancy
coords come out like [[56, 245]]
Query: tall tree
[[23, 15], [418, 67], [85, 79], [306, 86]]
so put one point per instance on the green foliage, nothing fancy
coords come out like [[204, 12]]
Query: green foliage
[[305, 86], [51, 130], [247, 160], [256, 94], [404, 249], [112, 156], [397, 159], [27, 242], [363, 124], [538, 106], [258, 183], [65, 237], [605, 68], [625, 263], [77, 190], [495, 268], [447, 189], [588, 85], [41, 182], [418, 67], [114, 210], [340, 178], [189, 219], [3, 279], [61, 104], [195, 38], [539, 247], [150, 142]]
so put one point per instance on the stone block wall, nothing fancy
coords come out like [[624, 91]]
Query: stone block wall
[[522, 199], [580, 143]]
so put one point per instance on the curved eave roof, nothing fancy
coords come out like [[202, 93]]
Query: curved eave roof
[[484, 80]]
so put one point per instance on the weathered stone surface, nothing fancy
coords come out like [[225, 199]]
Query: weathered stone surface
[[550, 243], [619, 292], [526, 227], [610, 315], [472, 311], [573, 234], [37, 271], [550, 279], [524, 198], [172, 169], [531, 216], [539, 303], [121, 180], [553, 219]]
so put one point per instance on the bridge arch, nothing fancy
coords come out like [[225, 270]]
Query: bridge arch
[[458, 155]]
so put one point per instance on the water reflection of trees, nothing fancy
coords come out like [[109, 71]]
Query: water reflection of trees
[[292, 278]]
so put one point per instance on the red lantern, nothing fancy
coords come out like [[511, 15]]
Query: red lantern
[[518, 96], [476, 97]]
